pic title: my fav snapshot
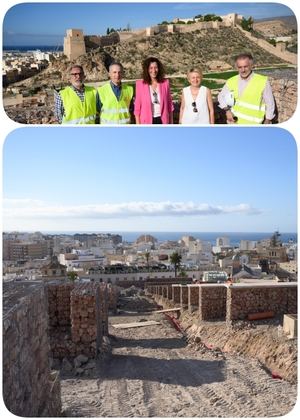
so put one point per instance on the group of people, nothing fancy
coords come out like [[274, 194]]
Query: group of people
[[245, 98]]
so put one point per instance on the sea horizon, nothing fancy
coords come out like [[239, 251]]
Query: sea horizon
[[162, 236], [24, 48]]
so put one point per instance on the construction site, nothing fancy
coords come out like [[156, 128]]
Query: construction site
[[170, 348]]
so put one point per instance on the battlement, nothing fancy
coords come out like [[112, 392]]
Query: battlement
[[76, 43]]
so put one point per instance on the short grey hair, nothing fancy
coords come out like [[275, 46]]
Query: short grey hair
[[116, 63], [76, 66], [242, 56]]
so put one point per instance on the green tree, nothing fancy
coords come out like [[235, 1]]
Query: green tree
[[72, 275], [175, 259], [247, 24], [183, 274]]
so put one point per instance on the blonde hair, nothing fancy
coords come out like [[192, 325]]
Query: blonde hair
[[195, 70]]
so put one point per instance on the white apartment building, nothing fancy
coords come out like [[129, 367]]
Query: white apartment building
[[246, 245], [223, 241], [80, 260]]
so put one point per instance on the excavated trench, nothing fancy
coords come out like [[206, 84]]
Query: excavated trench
[[159, 371]]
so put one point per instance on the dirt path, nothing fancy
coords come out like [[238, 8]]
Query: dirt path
[[154, 373]]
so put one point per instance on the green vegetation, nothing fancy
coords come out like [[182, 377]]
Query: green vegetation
[[208, 18], [111, 30], [222, 75], [175, 259], [247, 24], [211, 84], [72, 275]]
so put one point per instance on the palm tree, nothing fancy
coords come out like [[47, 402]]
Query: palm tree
[[175, 259], [147, 256]]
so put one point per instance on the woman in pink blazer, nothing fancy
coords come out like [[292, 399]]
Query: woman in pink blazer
[[153, 101]]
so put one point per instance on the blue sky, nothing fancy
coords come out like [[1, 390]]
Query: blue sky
[[46, 23], [158, 179]]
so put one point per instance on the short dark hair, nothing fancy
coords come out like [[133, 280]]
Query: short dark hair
[[145, 66], [243, 56], [76, 66]]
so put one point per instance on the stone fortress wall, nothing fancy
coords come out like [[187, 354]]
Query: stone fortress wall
[[76, 43]]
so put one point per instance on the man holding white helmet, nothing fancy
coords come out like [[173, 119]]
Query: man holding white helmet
[[247, 97]]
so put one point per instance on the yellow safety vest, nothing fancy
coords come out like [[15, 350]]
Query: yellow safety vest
[[249, 108], [115, 111], [77, 112]]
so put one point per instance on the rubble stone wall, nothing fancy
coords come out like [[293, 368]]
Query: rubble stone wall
[[78, 318], [59, 304], [176, 293], [102, 310], [193, 297], [241, 301], [184, 295], [83, 314], [212, 302], [113, 295], [169, 295], [30, 389], [285, 94]]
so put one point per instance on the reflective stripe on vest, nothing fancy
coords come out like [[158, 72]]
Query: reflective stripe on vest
[[114, 111], [77, 112], [249, 107]]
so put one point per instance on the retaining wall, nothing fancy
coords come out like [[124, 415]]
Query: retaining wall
[[184, 296], [212, 302], [176, 293], [78, 314], [193, 297], [245, 299], [220, 301], [30, 389]]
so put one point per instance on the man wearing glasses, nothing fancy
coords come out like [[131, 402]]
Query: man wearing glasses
[[115, 98], [77, 103]]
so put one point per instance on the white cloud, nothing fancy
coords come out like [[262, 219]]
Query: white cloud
[[36, 209]]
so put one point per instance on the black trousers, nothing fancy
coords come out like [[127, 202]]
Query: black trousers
[[156, 120]]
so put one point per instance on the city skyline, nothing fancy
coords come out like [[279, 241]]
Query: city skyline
[[24, 23], [163, 179]]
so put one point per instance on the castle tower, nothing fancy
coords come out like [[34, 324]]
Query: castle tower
[[74, 45], [231, 19]]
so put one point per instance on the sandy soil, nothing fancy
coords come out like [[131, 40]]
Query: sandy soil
[[154, 372]]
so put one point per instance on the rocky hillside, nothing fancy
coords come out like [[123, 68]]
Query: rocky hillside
[[281, 26], [177, 51]]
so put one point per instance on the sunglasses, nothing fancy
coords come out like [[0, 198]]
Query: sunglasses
[[194, 107], [155, 98]]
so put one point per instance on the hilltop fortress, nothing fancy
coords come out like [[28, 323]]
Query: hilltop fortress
[[76, 43]]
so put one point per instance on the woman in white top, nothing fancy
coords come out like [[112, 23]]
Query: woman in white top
[[196, 101]]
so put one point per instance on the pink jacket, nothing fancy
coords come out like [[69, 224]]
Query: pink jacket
[[143, 106]]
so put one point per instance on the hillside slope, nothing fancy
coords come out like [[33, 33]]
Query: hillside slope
[[178, 52]]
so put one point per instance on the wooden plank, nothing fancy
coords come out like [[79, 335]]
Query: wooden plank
[[162, 311], [136, 324]]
